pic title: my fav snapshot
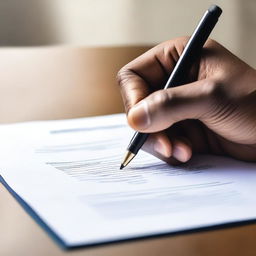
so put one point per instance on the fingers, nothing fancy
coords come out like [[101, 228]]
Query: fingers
[[163, 108], [182, 150], [172, 151], [149, 72], [133, 89], [159, 145]]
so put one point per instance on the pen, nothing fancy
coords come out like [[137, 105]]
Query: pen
[[185, 61]]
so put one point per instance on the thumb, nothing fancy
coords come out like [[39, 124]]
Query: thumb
[[163, 108]]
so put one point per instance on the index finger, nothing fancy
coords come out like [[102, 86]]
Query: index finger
[[149, 72]]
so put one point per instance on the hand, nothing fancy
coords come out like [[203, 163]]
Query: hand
[[214, 113]]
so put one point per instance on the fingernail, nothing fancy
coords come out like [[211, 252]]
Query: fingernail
[[179, 154], [139, 115], [160, 149]]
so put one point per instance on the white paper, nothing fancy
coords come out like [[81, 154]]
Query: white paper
[[68, 172]]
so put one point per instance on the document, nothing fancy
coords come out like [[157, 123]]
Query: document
[[66, 175]]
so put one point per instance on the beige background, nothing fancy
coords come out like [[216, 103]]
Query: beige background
[[61, 82], [122, 22]]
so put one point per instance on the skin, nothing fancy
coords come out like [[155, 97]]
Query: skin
[[213, 113]]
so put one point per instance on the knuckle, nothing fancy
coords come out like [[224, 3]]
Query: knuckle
[[215, 97], [215, 90], [162, 98], [123, 75]]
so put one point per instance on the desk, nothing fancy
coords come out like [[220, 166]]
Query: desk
[[53, 83]]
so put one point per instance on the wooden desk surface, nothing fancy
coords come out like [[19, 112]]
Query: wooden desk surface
[[52, 83]]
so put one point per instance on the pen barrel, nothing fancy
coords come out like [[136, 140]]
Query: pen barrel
[[137, 142], [193, 48], [189, 56]]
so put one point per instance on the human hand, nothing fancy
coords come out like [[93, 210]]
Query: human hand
[[213, 113]]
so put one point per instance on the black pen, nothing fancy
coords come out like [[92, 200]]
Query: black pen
[[190, 53]]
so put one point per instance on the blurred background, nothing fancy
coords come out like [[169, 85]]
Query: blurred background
[[123, 22], [57, 55]]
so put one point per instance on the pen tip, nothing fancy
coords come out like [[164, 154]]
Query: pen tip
[[121, 167]]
